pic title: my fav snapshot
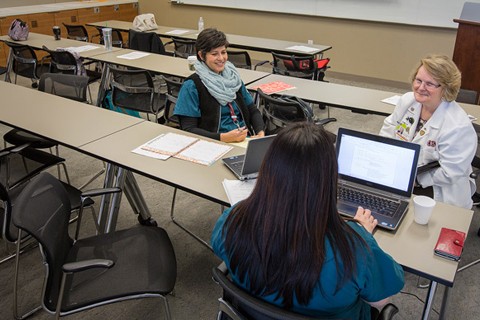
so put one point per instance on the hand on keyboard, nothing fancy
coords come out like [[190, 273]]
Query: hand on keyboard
[[365, 218]]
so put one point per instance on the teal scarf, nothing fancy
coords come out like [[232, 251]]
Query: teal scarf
[[223, 86]]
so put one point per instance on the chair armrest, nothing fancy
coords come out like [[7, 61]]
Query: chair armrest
[[387, 312], [261, 63], [100, 191], [78, 266]]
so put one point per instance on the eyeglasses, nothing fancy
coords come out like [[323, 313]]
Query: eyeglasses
[[428, 84]]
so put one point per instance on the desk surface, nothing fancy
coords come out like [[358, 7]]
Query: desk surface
[[236, 41], [37, 41], [168, 65], [204, 181], [412, 244], [68, 122], [357, 99]]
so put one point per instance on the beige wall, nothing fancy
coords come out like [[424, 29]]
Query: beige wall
[[360, 48]]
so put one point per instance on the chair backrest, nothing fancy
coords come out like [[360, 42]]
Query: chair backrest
[[76, 32], [467, 96], [64, 85], [145, 41], [240, 59], [62, 61], [280, 111], [237, 304], [43, 210], [183, 47], [24, 60], [134, 89], [173, 88], [300, 66]]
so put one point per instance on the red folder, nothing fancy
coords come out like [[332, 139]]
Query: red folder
[[450, 244]]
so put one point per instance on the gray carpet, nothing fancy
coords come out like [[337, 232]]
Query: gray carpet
[[196, 294]]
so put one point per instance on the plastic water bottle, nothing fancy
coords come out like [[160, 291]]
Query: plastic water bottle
[[200, 24]]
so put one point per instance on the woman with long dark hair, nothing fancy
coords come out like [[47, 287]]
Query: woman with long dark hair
[[288, 245]]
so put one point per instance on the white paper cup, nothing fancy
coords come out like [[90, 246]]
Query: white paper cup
[[423, 207], [191, 62]]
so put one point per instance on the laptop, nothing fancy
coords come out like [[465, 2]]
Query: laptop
[[377, 173], [246, 166]]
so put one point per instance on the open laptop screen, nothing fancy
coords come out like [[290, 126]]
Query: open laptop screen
[[383, 163]]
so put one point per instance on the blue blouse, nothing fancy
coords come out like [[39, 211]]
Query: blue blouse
[[188, 104], [377, 277]]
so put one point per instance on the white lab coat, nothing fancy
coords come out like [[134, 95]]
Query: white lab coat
[[447, 137]]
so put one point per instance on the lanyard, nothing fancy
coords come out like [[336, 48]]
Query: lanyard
[[233, 115]]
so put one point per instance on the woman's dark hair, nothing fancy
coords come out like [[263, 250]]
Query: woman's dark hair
[[277, 237], [208, 40]]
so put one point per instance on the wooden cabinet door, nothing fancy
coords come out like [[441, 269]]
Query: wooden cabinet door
[[109, 13], [88, 15], [41, 22], [127, 12], [67, 17]]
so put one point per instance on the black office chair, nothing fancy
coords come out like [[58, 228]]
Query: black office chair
[[26, 64], [173, 88], [126, 264], [62, 61], [77, 32], [237, 304], [146, 41], [300, 66], [279, 111], [240, 59], [135, 90], [183, 48]]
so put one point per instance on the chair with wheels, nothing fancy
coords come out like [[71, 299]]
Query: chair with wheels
[[127, 264], [146, 41], [240, 59], [173, 88], [237, 304], [25, 63], [183, 48], [282, 110], [300, 66], [77, 32], [135, 90]]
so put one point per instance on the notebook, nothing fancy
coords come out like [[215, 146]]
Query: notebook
[[377, 173], [246, 166]]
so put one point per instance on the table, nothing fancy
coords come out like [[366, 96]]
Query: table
[[236, 41], [356, 99]]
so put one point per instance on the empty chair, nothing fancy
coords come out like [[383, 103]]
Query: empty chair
[[183, 47], [25, 63], [173, 88], [127, 264], [237, 304], [280, 111], [145, 41], [117, 38], [76, 32], [300, 66], [240, 59], [135, 90]]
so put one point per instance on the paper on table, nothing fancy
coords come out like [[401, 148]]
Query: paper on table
[[133, 55], [177, 31], [84, 48], [392, 100], [237, 190], [274, 87], [150, 154], [302, 48], [204, 152], [168, 144]]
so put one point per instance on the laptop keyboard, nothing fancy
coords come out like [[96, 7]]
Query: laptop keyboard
[[380, 205]]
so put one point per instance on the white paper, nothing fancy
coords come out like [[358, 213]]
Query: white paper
[[204, 152], [392, 100], [134, 55], [237, 190], [166, 145], [177, 31], [302, 49], [150, 154], [84, 48]]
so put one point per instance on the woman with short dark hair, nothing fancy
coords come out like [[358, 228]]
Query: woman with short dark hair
[[214, 102], [288, 245]]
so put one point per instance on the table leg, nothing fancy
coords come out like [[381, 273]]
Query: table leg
[[116, 199], [102, 88], [108, 182], [9, 66], [133, 193], [429, 302], [443, 309]]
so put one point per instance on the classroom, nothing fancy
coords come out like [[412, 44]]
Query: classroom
[[373, 47]]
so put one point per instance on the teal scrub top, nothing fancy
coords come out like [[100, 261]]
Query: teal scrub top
[[377, 277], [188, 104]]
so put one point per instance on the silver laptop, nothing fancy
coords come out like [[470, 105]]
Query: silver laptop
[[377, 173], [246, 166]]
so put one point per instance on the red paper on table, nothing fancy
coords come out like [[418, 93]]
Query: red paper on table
[[274, 87]]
